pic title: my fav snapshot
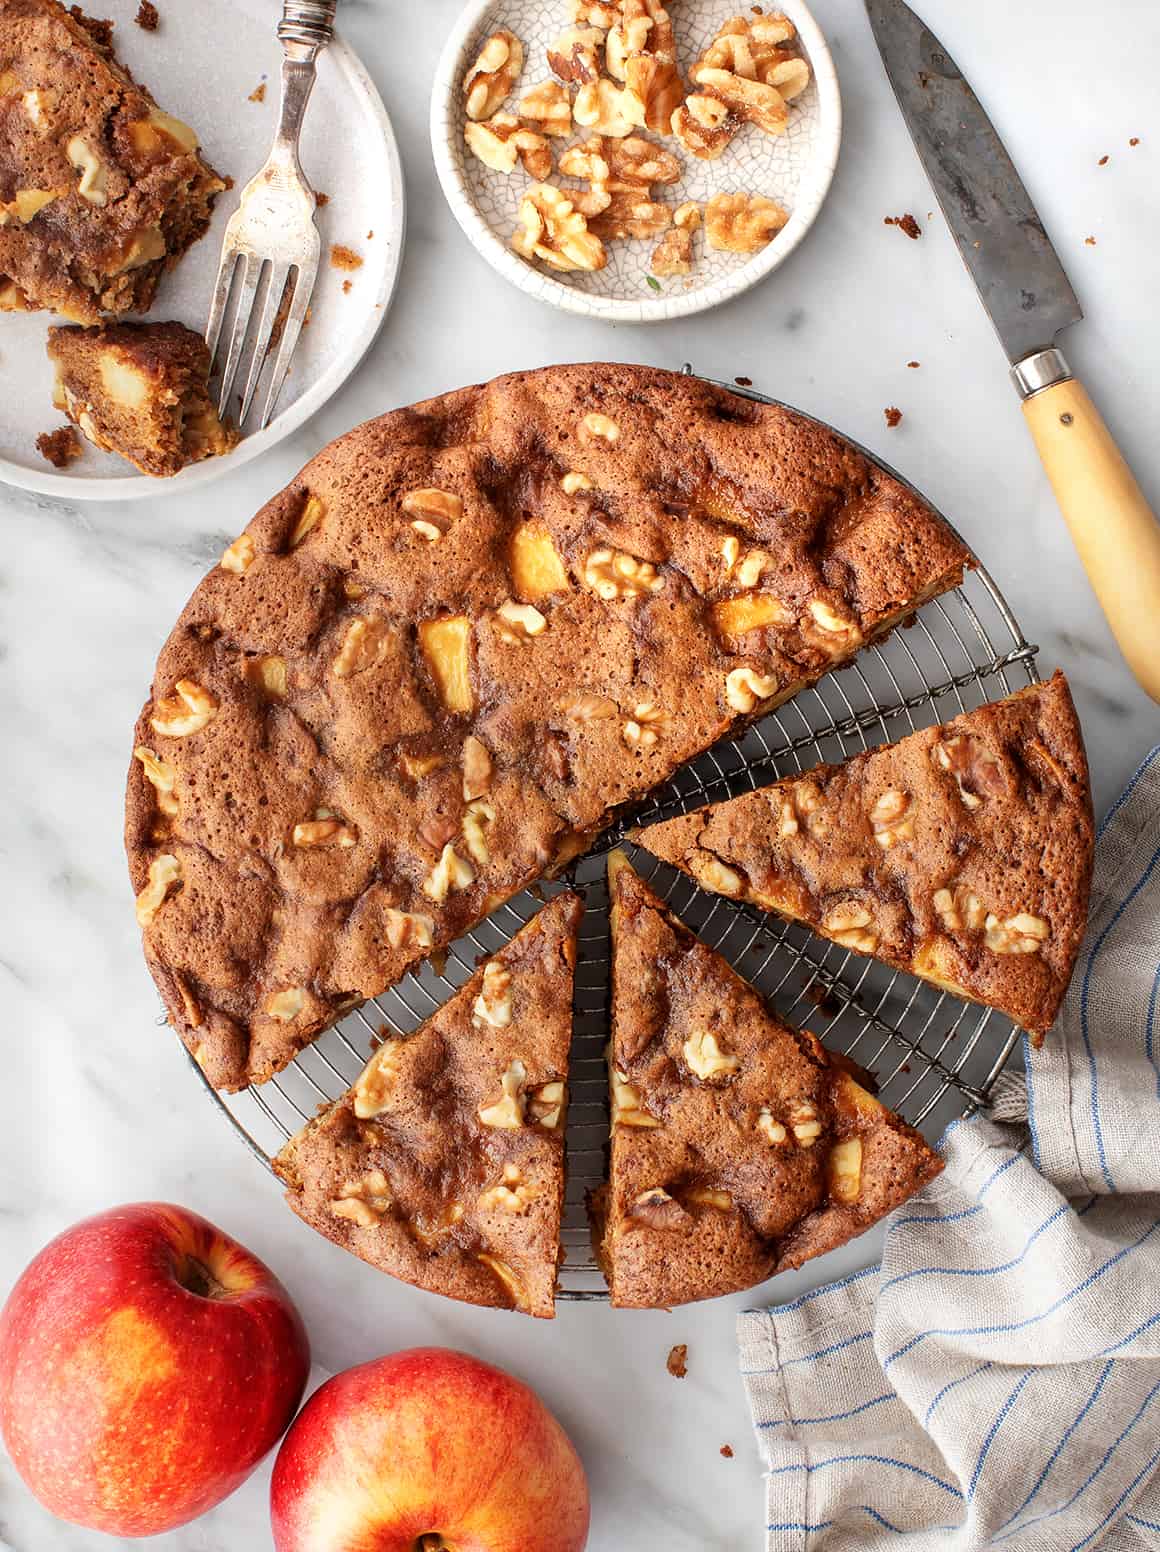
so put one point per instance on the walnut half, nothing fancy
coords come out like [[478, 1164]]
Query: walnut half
[[164, 876], [186, 711], [499, 141], [162, 778], [494, 1004], [1018, 934], [892, 818], [614, 574], [553, 230], [364, 1201], [488, 83], [507, 1113], [745, 687], [705, 1057], [742, 223], [627, 1109], [850, 924]]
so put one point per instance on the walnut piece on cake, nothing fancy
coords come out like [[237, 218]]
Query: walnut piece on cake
[[763, 1150], [927, 854], [437, 659], [443, 1164], [100, 190], [139, 390]]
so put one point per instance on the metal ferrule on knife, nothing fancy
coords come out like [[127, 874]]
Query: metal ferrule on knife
[[1039, 371]]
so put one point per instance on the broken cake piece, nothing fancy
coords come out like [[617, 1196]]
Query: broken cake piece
[[140, 390], [962, 854], [100, 190], [444, 1163], [739, 1147]]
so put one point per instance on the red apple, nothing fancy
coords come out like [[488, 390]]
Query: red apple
[[147, 1363], [427, 1449]]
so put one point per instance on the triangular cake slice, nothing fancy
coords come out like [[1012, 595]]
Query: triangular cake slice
[[739, 1147], [444, 1163], [962, 853]]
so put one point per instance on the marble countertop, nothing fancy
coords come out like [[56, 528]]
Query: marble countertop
[[102, 1107]]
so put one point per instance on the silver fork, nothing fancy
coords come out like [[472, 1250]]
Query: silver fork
[[274, 225]]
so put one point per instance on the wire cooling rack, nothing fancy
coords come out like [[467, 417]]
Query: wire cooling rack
[[935, 1058]]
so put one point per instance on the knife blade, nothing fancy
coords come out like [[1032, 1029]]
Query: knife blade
[[1029, 299], [1008, 255]]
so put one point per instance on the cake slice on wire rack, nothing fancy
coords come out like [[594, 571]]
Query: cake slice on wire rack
[[962, 853], [740, 1147], [444, 1163]]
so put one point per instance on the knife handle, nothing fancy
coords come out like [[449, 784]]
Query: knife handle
[[1111, 523]]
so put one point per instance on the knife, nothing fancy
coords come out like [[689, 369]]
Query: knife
[[1029, 299]]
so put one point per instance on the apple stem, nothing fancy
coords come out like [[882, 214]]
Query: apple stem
[[196, 1278], [431, 1541]]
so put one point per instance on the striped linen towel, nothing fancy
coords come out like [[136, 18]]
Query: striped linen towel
[[996, 1382]]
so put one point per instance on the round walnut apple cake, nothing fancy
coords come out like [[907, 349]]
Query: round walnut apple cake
[[433, 667]]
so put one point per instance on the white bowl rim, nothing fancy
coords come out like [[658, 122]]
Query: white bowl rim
[[543, 286]]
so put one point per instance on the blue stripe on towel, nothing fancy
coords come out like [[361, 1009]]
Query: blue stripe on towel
[[1150, 1028], [1058, 1450], [994, 1429], [822, 1352], [834, 1417], [1050, 1514], [1127, 792], [964, 1212], [874, 1460], [1119, 1503], [811, 1527], [1131, 1336], [816, 1293], [1031, 1320], [950, 1385], [1083, 1012], [979, 1271]]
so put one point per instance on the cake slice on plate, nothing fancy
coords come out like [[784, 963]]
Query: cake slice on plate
[[100, 190], [962, 853], [739, 1147], [444, 1163], [140, 390]]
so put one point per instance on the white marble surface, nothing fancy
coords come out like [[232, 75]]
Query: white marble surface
[[100, 1106]]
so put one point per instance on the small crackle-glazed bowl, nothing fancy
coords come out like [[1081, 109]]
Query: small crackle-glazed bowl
[[795, 168]]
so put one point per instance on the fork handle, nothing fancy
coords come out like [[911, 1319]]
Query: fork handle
[[306, 25]]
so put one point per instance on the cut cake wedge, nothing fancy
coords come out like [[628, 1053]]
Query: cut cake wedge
[[444, 1163], [739, 1147], [962, 854]]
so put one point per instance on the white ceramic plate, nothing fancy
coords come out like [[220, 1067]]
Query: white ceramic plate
[[795, 169], [202, 64]]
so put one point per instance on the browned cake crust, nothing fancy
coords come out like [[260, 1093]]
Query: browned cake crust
[[434, 665], [739, 1147], [100, 191], [140, 390], [444, 1164], [962, 853]]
